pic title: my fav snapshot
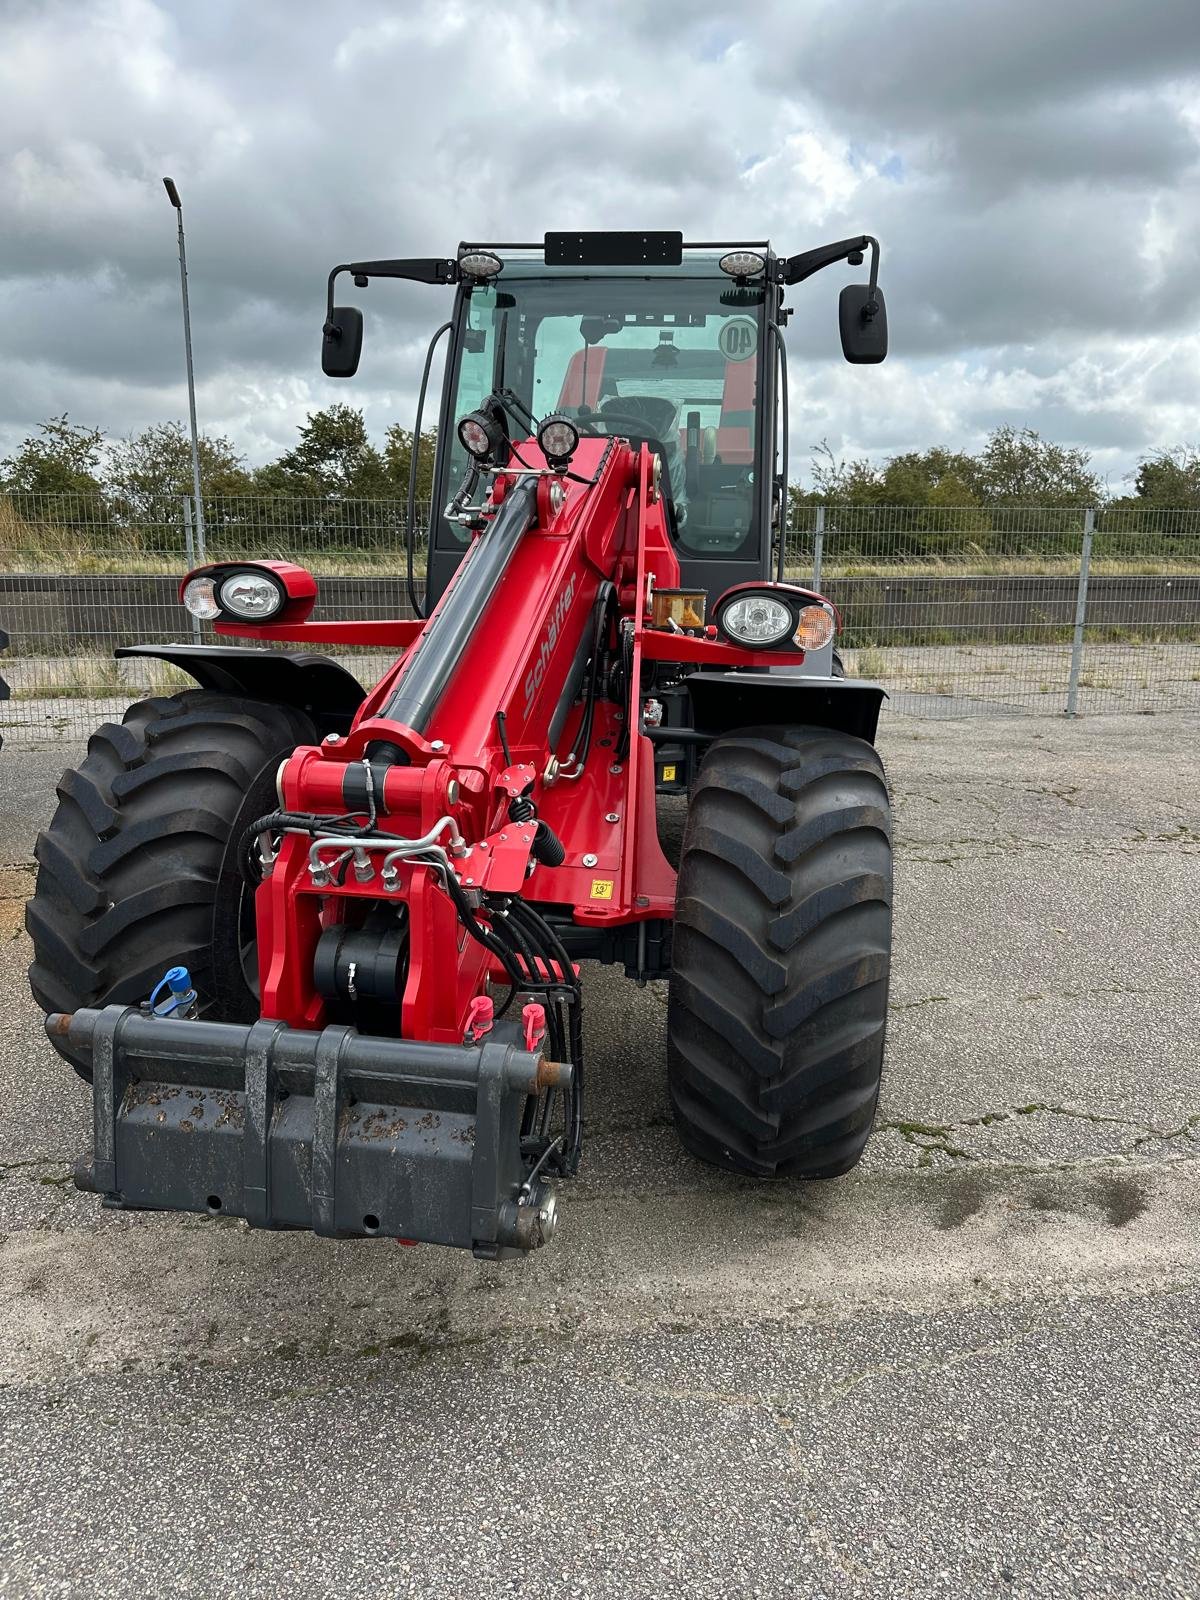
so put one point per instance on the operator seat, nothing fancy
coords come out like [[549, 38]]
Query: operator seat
[[661, 417]]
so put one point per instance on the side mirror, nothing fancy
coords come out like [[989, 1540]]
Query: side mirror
[[341, 342], [862, 319]]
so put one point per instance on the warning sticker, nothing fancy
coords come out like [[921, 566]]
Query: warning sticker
[[668, 774], [602, 888]]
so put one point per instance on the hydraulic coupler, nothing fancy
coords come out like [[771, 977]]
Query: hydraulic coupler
[[344, 1133]]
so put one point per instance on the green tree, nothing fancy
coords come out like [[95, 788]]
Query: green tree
[[1165, 503], [61, 458], [397, 457], [934, 477], [836, 480], [333, 459], [1168, 478], [148, 471], [1017, 466]]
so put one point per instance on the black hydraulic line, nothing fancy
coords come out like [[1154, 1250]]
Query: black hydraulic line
[[558, 1026], [411, 517], [605, 596], [545, 931], [632, 690], [677, 736], [440, 647], [547, 937], [502, 730]]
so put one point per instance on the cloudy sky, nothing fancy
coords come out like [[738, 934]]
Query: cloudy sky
[[1030, 167]]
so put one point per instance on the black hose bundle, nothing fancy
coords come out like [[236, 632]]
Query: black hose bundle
[[552, 977]]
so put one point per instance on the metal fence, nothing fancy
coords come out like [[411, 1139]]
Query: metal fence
[[968, 611], [960, 611]]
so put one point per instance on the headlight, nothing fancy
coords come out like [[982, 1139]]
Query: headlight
[[200, 598], [814, 628], [756, 619], [250, 595], [557, 438]]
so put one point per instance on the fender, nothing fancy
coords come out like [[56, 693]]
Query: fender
[[315, 684], [722, 701]]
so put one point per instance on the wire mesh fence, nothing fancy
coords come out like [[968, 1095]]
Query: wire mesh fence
[[959, 611], [1002, 610]]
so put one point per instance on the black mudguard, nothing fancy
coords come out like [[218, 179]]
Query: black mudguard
[[723, 701], [312, 683]]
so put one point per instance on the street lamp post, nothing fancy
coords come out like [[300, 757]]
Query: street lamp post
[[173, 196]]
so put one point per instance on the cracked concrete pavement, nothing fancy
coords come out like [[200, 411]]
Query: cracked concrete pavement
[[967, 1367]]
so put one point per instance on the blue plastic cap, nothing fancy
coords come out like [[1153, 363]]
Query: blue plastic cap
[[178, 980]]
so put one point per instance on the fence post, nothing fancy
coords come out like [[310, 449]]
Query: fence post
[[1085, 562], [189, 541], [818, 547]]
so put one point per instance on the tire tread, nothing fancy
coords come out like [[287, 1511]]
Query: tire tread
[[778, 995]]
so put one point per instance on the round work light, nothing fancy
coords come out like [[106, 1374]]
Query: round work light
[[480, 434], [557, 439]]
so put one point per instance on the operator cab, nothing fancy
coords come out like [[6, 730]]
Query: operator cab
[[638, 336], [671, 356]]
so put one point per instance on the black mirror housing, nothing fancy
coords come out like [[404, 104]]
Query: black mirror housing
[[862, 320], [341, 342]]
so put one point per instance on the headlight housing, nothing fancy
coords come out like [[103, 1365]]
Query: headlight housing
[[742, 263], [245, 593], [776, 616], [481, 264]]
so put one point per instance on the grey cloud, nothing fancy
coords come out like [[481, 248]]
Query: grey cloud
[[1036, 213], [917, 66]]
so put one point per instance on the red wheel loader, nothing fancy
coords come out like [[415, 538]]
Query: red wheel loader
[[317, 949]]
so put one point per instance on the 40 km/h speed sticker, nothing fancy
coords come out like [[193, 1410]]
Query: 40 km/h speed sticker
[[738, 338]]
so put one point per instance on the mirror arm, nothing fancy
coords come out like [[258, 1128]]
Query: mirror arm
[[424, 269], [797, 268], [420, 269], [329, 330], [872, 305]]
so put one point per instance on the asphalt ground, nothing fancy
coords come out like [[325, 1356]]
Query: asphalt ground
[[967, 1368]]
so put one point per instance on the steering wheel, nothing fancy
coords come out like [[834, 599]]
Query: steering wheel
[[626, 422]]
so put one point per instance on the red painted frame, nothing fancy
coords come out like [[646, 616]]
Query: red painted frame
[[611, 528]]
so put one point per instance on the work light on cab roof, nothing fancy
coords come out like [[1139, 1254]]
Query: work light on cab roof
[[742, 264]]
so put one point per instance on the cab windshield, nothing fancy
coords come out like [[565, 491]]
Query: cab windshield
[[666, 357]]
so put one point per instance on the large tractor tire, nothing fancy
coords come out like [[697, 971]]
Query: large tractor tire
[[137, 870], [779, 983]]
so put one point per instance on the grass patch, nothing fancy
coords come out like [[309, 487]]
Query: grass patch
[[95, 678], [869, 663]]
